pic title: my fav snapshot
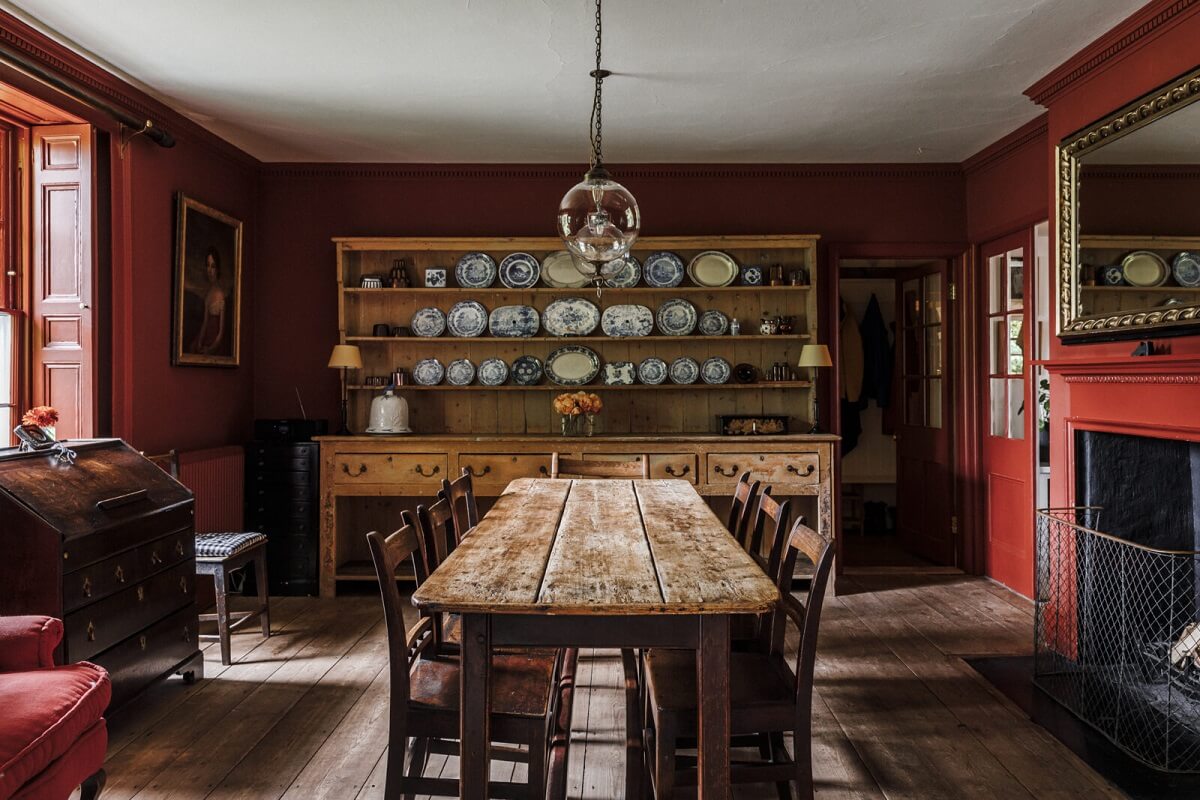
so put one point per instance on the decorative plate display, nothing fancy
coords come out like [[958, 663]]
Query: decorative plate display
[[1112, 275], [428, 322], [1186, 269], [467, 318], [652, 371], [527, 371], [571, 316], [745, 373], [713, 323], [1144, 269], [428, 372], [663, 270], [461, 372], [684, 370], [627, 320], [519, 271], [619, 373], [475, 271], [712, 268], [558, 270], [493, 372], [573, 365], [751, 276], [630, 274], [676, 317], [713, 370], [511, 322]]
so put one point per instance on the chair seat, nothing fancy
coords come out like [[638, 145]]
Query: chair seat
[[521, 684], [756, 681], [218, 546]]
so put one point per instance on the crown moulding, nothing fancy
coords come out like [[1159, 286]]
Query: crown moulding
[[1001, 149], [631, 172]]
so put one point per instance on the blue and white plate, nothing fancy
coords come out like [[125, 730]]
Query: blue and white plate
[[493, 372], [630, 274], [1112, 275], [571, 316], [511, 322], [428, 372], [715, 370], [475, 271], [427, 322], [519, 271], [713, 323], [676, 317], [627, 320], [572, 365], [752, 276], [684, 370], [663, 270], [460, 372], [527, 371], [467, 318], [652, 371], [619, 373], [1186, 269]]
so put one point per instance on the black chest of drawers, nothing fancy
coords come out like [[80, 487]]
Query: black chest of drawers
[[282, 483]]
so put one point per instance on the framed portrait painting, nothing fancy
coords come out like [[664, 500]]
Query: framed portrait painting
[[208, 286]]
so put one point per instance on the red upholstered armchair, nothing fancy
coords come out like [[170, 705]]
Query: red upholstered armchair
[[52, 732]]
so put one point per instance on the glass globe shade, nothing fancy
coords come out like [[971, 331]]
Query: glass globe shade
[[598, 220]]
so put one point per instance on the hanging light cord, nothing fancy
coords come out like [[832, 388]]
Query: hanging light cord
[[597, 101]]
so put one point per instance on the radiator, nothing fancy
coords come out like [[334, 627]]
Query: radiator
[[215, 476]]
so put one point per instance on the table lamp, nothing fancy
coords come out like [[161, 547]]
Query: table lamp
[[346, 356], [814, 356]]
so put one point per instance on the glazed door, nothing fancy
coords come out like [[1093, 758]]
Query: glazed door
[[924, 474], [1008, 435]]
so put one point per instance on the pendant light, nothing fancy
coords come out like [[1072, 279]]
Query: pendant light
[[598, 219]]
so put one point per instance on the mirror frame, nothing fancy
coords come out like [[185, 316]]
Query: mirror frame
[[1074, 326]]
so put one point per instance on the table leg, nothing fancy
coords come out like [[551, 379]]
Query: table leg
[[712, 681], [474, 713]]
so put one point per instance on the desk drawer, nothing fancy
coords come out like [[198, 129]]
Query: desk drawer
[[351, 468], [125, 569], [504, 467], [674, 465], [772, 468], [150, 654]]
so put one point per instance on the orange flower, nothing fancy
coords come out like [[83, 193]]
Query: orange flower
[[42, 416]]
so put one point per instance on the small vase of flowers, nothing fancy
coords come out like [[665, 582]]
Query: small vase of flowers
[[578, 412], [45, 417]]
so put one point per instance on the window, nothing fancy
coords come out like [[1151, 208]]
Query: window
[[8, 366], [923, 351], [1006, 330]]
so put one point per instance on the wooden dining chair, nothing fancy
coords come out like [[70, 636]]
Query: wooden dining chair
[[464, 508], [768, 531], [769, 697], [434, 525], [561, 467], [744, 492], [425, 695]]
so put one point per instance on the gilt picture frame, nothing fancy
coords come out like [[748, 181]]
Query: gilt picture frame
[[207, 309]]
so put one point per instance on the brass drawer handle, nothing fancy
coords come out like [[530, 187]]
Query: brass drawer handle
[[155, 558], [670, 470], [187, 633], [732, 471], [179, 548], [471, 471], [811, 469], [91, 631], [346, 469], [183, 584], [120, 573], [421, 471], [142, 641], [141, 593], [87, 587]]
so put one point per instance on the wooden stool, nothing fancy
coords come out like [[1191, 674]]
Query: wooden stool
[[218, 554]]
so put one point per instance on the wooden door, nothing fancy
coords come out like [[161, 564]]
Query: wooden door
[[63, 232], [1008, 435], [924, 472]]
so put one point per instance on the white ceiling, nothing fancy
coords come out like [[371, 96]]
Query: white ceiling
[[485, 81]]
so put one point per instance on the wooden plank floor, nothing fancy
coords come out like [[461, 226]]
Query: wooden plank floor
[[897, 713]]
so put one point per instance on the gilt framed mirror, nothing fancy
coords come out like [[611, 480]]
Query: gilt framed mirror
[[1128, 204]]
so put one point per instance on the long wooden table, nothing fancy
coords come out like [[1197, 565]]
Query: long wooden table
[[598, 563]]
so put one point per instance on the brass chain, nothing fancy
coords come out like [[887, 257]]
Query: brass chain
[[597, 101]]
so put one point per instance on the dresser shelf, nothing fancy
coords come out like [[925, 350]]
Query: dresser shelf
[[625, 340], [599, 387], [608, 290]]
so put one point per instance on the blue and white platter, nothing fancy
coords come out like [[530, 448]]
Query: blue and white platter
[[460, 372], [684, 370], [493, 372], [467, 318], [1186, 269], [571, 316], [627, 320], [519, 271], [428, 372], [527, 371], [715, 370], [630, 274], [511, 322], [663, 270], [475, 271], [652, 371], [676, 317], [427, 322], [572, 365], [713, 323], [619, 373]]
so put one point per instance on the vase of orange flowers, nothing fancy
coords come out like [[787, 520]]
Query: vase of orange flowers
[[45, 417], [577, 412]]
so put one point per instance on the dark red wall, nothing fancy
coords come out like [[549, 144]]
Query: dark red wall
[[1006, 184], [1154, 201], [301, 208]]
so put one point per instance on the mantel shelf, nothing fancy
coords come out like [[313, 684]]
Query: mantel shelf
[[496, 290], [688, 387], [571, 339]]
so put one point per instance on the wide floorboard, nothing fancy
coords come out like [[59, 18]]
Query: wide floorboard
[[898, 714]]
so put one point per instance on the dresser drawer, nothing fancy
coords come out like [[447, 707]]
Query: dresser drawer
[[772, 468], [126, 569], [674, 465], [154, 652], [107, 622], [351, 468], [502, 468]]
